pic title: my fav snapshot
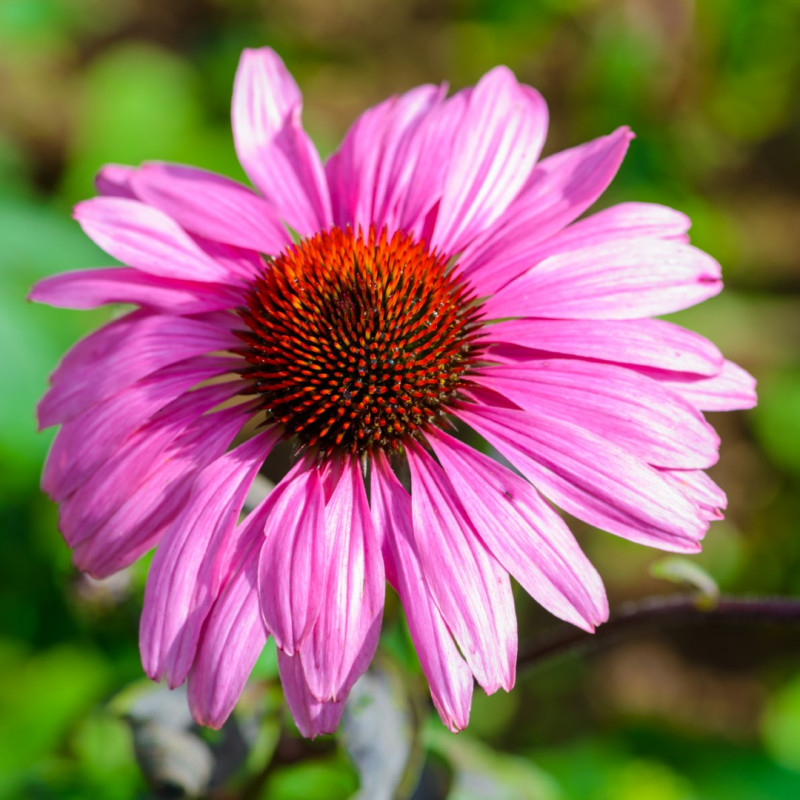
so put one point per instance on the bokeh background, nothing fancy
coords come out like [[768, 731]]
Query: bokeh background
[[710, 87]]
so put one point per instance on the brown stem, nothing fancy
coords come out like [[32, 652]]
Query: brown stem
[[664, 610]]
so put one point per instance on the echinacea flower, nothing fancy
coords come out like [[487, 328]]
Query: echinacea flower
[[429, 281]]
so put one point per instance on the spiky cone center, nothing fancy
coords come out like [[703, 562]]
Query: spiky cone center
[[356, 343]]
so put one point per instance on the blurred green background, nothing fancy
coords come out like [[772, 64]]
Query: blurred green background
[[710, 87]]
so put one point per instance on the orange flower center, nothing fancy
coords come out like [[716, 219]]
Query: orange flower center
[[358, 343]]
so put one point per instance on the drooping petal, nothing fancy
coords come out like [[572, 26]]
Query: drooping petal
[[212, 206], [590, 477], [233, 637], [121, 353], [617, 280], [524, 534], [699, 488], [114, 180], [449, 677], [618, 404], [559, 190], [622, 221], [146, 238], [99, 496], [89, 440], [470, 588], [733, 388], [370, 171], [145, 510], [345, 635], [312, 716], [193, 561], [90, 288], [494, 150], [294, 556], [642, 342], [272, 146]]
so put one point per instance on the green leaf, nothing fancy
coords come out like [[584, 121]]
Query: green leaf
[[330, 778], [781, 726], [678, 569], [479, 773]]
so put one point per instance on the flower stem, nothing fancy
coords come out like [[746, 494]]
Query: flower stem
[[660, 611]]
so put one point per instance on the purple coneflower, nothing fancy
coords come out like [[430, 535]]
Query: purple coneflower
[[437, 284]]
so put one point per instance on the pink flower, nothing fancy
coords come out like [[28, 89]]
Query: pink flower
[[440, 284]]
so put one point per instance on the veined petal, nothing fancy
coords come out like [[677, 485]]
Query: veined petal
[[559, 190], [233, 637], [699, 488], [733, 388], [524, 534], [294, 556], [370, 171], [312, 716], [90, 288], [618, 404], [114, 180], [121, 353], [470, 588], [642, 342], [617, 280], [590, 477], [99, 496], [428, 163], [346, 632], [212, 206], [449, 677], [89, 440], [493, 152], [272, 146], [192, 561], [147, 509], [623, 221], [146, 238]]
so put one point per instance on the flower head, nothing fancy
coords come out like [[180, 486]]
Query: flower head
[[439, 284]]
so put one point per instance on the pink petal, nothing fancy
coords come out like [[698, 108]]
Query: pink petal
[[524, 534], [91, 288], [733, 388], [590, 477], [294, 557], [616, 280], [114, 180], [121, 353], [89, 440], [346, 632], [448, 675], [621, 222], [700, 489], [192, 562], [618, 404], [144, 237], [558, 191], [369, 173], [311, 716], [232, 640], [428, 161], [646, 342], [88, 508], [470, 588], [145, 511], [272, 146], [493, 152], [212, 206]]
